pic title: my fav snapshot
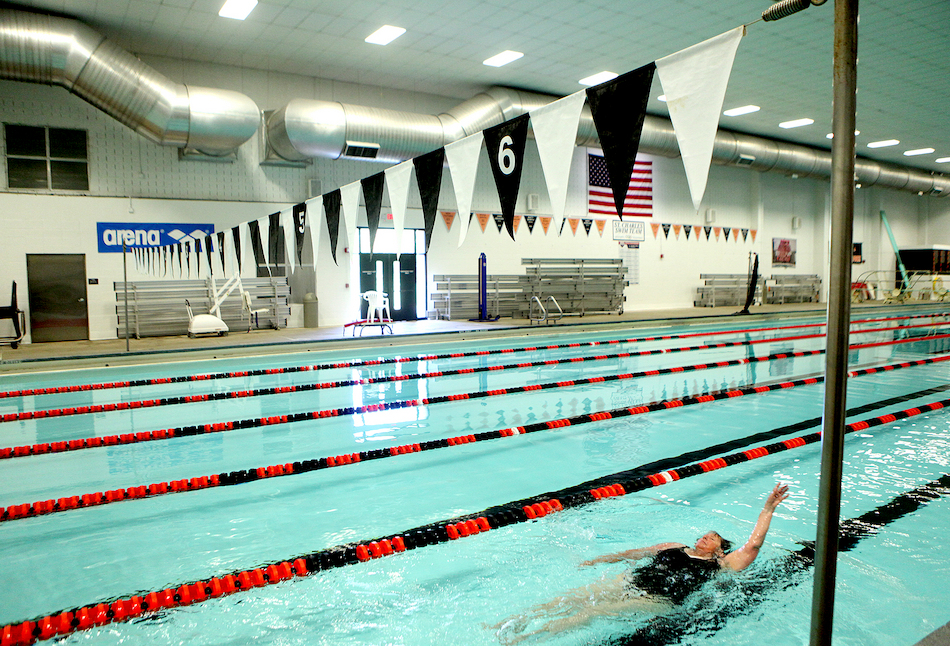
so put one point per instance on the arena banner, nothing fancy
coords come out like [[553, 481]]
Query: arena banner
[[111, 235]]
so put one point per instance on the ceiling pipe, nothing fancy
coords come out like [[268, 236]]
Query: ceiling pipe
[[304, 129], [47, 49]]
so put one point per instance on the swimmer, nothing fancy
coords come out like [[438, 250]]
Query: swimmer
[[675, 572]]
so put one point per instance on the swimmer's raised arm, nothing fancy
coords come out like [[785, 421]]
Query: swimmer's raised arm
[[632, 555], [743, 557]]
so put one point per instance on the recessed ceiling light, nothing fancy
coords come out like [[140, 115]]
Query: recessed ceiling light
[[385, 35], [797, 123], [237, 9], [746, 109], [883, 144], [598, 78], [831, 135], [503, 58], [942, 160], [661, 98], [919, 151]]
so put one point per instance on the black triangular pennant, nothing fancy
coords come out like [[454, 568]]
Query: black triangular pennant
[[208, 251], [165, 260], [745, 234], [257, 245], [505, 143], [707, 230], [373, 199], [197, 259], [331, 204], [588, 223], [687, 228], [273, 238], [666, 231], [300, 228], [180, 270], [618, 108], [429, 178], [188, 257], [236, 234], [221, 251], [530, 220], [499, 220], [725, 230]]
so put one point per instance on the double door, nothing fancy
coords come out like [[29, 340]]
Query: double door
[[383, 272]]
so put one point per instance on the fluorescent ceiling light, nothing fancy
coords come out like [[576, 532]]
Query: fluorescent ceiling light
[[598, 78], [237, 9], [919, 151], [746, 109], [943, 160], [661, 98], [503, 58], [797, 123], [831, 135], [385, 35], [883, 144]]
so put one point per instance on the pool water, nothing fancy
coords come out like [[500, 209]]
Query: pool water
[[451, 590]]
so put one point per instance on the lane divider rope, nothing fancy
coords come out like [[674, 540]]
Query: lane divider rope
[[54, 390], [66, 503], [259, 392], [68, 621]]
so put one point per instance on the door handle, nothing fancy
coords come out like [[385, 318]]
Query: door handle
[[81, 300]]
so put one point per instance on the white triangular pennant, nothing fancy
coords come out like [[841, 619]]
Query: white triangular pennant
[[315, 218], [694, 81], [349, 210], [462, 156], [555, 131], [290, 242], [397, 183], [264, 224]]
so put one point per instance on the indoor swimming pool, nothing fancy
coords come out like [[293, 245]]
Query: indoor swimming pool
[[347, 478]]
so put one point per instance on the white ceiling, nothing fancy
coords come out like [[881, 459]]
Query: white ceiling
[[783, 66]]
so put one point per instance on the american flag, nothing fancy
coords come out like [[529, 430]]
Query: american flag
[[600, 199]]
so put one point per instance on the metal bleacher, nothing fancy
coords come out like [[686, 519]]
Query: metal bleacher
[[720, 290], [157, 308]]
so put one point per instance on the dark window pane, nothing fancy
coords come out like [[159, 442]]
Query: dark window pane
[[26, 140], [70, 176], [26, 173], [67, 144]]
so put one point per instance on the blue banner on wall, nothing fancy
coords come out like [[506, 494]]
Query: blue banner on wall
[[143, 234]]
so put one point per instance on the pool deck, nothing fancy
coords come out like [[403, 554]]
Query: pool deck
[[39, 357]]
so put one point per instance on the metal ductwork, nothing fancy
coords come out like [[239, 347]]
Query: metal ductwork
[[59, 51], [304, 129]]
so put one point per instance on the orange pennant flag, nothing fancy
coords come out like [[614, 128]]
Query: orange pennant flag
[[656, 228], [735, 234], [517, 221], [752, 231], [717, 231], [448, 217], [573, 222], [545, 222], [676, 230], [483, 220], [600, 226]]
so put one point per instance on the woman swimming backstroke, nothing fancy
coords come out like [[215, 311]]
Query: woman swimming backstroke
[[674, 572]]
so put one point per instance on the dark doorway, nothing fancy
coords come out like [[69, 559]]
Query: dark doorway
[[57, 289], [383, 272]]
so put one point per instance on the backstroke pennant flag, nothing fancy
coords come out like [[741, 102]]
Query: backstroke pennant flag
[[373, 199], [555, 131], [290, 239], [331, 205], [300, 228], [618, 108], [273, 237], [254, 232], [236, 236], [224, 267], [505, 143], [397, 183], [429, 179], [313, 207], [694, 81], [462, 156], [350, 201]]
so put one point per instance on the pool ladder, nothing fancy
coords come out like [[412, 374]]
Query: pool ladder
[[542, 316]]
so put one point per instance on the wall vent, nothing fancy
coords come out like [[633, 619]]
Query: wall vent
[[361, 150]]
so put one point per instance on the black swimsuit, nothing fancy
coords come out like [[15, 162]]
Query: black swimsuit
[[672, 574]]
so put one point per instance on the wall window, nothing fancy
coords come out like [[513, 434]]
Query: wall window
[[46, 158]]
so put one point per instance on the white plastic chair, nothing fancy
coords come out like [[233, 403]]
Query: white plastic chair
[[252, 312], [378, 302]]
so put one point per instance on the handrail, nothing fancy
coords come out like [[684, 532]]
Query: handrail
[[560, 312], [544, 312]]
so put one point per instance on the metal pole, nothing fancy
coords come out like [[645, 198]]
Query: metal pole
[[125, 285], [839, 310]]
